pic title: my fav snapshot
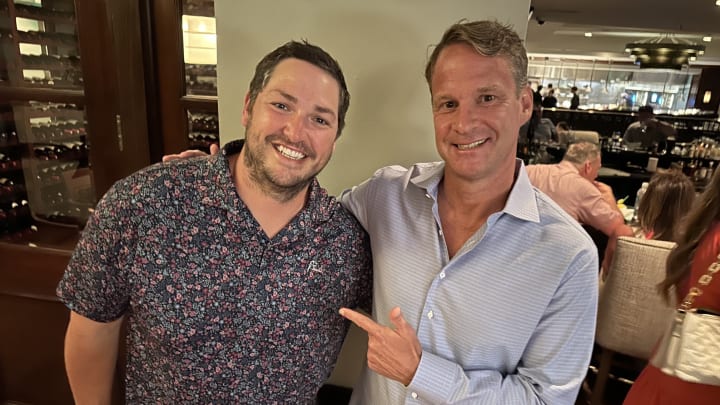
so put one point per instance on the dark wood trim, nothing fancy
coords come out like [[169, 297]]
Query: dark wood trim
[[33, 322], [111, 57], [152, 95], [170, 74], [134, 153], [202, 103], [8, 94], [31, 272], [98, 64]]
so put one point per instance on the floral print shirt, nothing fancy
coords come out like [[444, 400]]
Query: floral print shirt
[[216, 311]]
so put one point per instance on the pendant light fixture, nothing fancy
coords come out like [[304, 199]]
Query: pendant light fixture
[[665, 52]]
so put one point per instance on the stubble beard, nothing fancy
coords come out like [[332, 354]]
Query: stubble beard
[[262, 177]]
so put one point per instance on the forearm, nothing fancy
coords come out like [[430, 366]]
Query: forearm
[[619, 229], [445, 382], [553, 361], [90, 358], [441, 381]]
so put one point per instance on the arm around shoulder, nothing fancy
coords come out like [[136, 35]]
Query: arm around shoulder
[[91, 350]]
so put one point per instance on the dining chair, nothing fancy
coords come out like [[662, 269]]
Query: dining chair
[[632, 314]]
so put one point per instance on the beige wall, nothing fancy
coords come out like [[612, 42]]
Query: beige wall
[[382, 46]]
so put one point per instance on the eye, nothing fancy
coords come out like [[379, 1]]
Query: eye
[[321, 121], [486, 98], [447, 105], [280, 106]]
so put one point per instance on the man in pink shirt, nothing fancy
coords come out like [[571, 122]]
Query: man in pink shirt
[[572, 185]]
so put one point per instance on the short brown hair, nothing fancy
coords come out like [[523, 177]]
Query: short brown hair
[[488, 38], [306, 52]]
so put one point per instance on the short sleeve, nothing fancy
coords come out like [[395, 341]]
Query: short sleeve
[[95, 283]]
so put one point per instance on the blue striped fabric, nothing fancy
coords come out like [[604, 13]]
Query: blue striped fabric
[[510, 319]]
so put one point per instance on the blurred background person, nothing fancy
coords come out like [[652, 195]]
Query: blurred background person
[[537, 95], [668, 198], [648, 131], [573, 186], [698, 247], [549, 101], [535, 135], [575, 100], [562, 129]]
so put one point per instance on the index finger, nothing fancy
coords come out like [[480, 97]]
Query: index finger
[[363, 322]]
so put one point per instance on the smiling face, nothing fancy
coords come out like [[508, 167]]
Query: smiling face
[[477, 112], [291, 130]]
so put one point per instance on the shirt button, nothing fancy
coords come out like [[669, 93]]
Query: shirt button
[[440, 232], [442, 274], [428, 195], [430, 315], [414, 395]]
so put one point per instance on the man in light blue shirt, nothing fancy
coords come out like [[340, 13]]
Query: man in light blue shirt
[[485, 291]]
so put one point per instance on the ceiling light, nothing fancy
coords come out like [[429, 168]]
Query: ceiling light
[[588, 34], [707, 39], [693, 58], [666, 52], [717, 3]]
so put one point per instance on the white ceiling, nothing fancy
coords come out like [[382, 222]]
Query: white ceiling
[[617, 22]]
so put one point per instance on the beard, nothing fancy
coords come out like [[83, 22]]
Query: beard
[[283, 186]]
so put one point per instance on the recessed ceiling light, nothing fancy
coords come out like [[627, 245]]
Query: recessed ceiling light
[[693, 59], [589, 34], [717, 3], [707, 39]]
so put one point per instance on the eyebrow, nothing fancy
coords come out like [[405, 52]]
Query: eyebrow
[[480, 90], [317, 108]]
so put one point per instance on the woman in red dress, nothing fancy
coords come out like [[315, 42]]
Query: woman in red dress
[[698, 247]]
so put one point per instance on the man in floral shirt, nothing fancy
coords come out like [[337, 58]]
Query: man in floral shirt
[[228, 269]]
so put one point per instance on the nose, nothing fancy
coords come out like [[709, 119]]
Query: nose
[[466, 120], [294, 127]]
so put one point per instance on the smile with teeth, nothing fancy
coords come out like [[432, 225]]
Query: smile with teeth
[[289, 153], [471, 145]]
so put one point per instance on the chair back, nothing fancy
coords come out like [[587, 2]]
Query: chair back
[[632, 314], [583, 136]]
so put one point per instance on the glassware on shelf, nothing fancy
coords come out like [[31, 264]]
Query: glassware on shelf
[[202, 130], [199, 47], [44, 46], [46, 187]]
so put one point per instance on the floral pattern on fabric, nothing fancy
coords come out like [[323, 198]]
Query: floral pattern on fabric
[[216, 311]]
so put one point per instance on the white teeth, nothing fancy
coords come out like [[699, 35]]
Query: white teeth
[[471, 145], [289, 153]]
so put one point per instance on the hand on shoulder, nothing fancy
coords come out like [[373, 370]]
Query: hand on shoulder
[[214, 148]]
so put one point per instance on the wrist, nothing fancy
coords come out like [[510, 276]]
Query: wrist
[[411, 375]]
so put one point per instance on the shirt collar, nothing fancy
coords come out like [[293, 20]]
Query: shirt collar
[[521, 202]]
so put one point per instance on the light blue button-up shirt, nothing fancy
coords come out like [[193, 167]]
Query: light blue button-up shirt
[[510, 319]]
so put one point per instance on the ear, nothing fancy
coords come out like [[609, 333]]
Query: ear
[[526, 103], [246, 111]]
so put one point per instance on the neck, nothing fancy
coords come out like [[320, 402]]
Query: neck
[[465, 206], [478, 199], [273, 211]]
